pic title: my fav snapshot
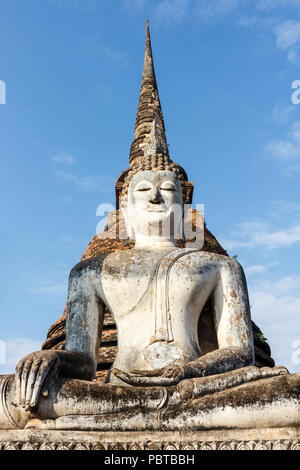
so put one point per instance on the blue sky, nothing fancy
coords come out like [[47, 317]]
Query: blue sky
[[72, 70]]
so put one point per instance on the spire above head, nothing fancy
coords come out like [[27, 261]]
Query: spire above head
[[149, 110], [149, 149], [148, 70]]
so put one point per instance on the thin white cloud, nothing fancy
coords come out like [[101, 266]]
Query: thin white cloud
[[253, 13], [217, 9], [134, 4], [282, 113], [63, 158], [255, 269], [288, 210], [279, 227], [214, 9], [248, 21], [88, 183], [15, 349], [286, 152], [255, 234], [272, 4], [276, 309], [80, 5], [288, 285], [55, 282], [287, 36], [95, 45], [174, 10], [49, 287], [259, 268], [114, 54]]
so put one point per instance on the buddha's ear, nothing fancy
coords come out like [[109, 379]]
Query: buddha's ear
[[123, 204]]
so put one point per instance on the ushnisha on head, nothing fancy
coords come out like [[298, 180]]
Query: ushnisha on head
[[153, 209], [155, 162]]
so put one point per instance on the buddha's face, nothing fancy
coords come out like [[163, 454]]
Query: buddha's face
[[155, 205]]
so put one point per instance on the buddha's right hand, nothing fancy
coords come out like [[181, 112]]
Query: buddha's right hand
[[31, 373]]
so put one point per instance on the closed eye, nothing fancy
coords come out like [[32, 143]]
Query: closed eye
[[143, 189], [168, 189]]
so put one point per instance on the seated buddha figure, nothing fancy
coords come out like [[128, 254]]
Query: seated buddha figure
[[156, 292]]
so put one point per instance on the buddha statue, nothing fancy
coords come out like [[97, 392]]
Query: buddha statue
[[156, 292]]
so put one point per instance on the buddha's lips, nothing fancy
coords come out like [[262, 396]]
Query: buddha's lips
[[151, 210], [154, 209]]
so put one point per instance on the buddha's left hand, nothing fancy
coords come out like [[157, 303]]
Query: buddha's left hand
[[169, 375]]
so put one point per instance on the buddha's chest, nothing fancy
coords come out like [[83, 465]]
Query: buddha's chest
[[154, 284], [156, 300]]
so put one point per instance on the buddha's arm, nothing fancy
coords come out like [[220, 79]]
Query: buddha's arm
[[84, 314], [79, 359], [233, 325], [232, 322]]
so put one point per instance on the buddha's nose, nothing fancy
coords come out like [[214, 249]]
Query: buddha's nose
[[155, 197]]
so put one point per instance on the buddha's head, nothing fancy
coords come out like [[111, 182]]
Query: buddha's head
[[154, 209]]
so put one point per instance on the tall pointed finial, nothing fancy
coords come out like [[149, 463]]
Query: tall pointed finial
[[149, 114], [148, 71]]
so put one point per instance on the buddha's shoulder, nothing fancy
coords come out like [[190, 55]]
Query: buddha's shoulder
[[201, 259], [110, 263], [88, 265]]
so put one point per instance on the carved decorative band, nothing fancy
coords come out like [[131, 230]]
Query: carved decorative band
[[193, 446]]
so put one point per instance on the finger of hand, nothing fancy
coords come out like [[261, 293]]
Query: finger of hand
[[281, 370], [116, 371], [18, 377], [151, 381], [121, 375], [167, 372], [31, 380], [162, 381], [24, 379], [44, 370], [175, 373], [148, 381], [48, 382], [148, 373], [130, 379]]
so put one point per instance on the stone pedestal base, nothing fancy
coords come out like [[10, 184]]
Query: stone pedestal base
[[237, 439]]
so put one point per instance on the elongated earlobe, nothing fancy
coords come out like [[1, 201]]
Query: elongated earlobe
[[124, 212]]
